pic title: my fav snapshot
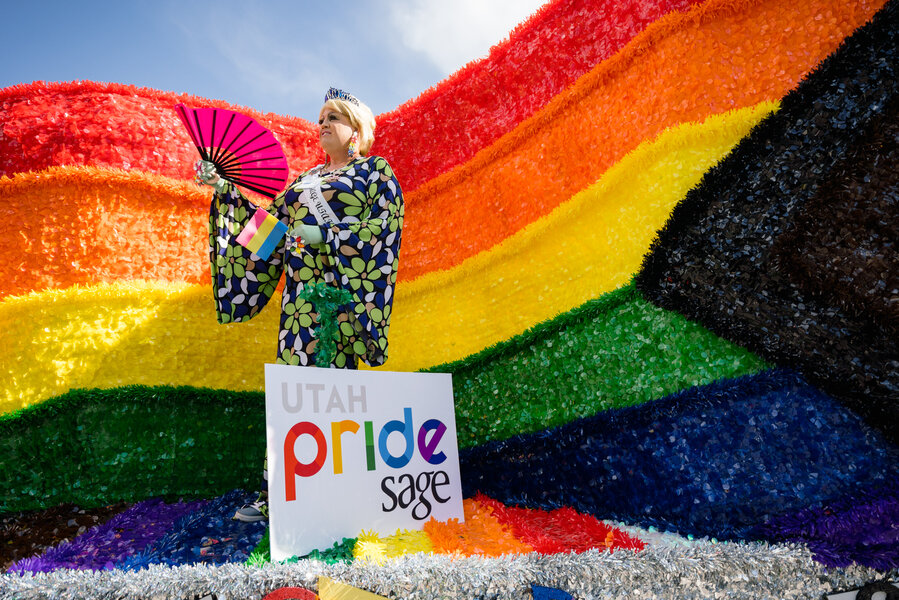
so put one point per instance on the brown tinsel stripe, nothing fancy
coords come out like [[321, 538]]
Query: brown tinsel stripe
[[27, 534], [716, 259]]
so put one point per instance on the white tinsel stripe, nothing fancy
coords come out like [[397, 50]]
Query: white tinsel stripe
[[703, 570]]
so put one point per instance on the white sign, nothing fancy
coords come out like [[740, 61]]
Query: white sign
[[357, 450]]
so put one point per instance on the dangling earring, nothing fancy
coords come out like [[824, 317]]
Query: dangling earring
[[351, 149]]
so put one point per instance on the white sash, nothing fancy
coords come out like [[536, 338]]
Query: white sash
[[314, 200]]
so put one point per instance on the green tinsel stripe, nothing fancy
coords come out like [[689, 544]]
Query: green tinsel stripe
[[262, 553], [93, 447], [617, 350], [340, 552]]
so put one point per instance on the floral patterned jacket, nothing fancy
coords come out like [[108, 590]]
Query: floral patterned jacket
[[359, 254]]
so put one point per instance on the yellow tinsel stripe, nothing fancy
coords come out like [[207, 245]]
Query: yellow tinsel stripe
[[150, 333], [480, 535], [166, 334], [370, 547], [590, 245]]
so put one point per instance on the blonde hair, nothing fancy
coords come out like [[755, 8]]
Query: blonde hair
[[361, 118]]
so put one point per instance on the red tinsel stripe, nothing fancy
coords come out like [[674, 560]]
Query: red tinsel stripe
[[560, 530], [291, 593], [121, 126], [488, 98]]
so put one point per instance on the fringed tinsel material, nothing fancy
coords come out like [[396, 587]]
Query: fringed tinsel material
[[481, 534], [841, 247], [153, 532], [544, 55], [631, 97], [721, 260], [155, 228], [735, 571], [107, 545], [862, 527], [130, 333], [104, 226], [110, 125], [617, 350], [341, 551], [532, 262], [527, 70], [714, 460], [554, 259], [208, 535], [374, 548], [560, 530], [131, 443], [601, 348], [683, 68]]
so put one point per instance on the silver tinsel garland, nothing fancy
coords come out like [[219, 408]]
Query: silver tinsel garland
[[703, 570]]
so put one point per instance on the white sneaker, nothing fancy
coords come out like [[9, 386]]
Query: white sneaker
[[255, 511]]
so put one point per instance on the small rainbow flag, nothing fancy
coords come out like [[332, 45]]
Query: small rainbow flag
[[262, 234]]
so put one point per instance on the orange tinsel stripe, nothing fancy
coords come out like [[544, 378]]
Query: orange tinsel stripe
[[560, 530], [722, 55], [480, 535], [81, 225], [487, 98]]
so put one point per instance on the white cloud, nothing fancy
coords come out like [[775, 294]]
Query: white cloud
[[453, 33], [282, 55]]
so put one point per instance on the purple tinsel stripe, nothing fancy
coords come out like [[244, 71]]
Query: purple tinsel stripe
[[864, 530], [208, 536], [103, 546]]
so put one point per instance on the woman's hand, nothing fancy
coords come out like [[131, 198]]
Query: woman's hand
[[310, 234], [206, 175]]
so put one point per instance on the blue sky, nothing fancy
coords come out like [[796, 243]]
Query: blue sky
[[274, 56]]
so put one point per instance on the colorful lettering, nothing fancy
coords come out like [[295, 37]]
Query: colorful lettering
[[338, 428], [429, 437], [425, 448], [404, 427], [294, 468]]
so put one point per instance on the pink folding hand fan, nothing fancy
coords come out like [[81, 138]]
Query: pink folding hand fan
[[243, 151]]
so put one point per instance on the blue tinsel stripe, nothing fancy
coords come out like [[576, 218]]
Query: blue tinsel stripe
[[713, 460], [208, 535]]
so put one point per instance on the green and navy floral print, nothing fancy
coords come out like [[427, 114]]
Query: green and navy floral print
[[359, 254]]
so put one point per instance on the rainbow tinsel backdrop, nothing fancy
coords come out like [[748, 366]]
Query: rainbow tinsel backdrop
[[673, 343]]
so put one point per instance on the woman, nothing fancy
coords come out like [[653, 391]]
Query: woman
[[345, 220]]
